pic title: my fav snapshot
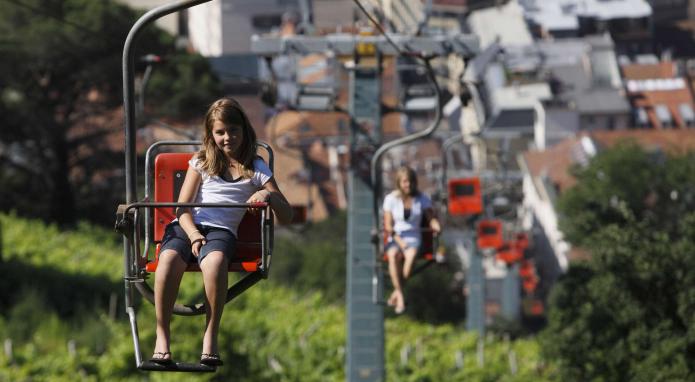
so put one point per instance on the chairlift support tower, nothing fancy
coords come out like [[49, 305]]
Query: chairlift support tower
[[365, 312]]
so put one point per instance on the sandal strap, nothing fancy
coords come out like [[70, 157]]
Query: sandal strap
[[162, 353], [210, 355]]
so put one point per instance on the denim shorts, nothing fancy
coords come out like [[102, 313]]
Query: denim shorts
[[216, 239], [411, 241]]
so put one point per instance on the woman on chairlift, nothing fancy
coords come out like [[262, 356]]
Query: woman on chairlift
[[405, 211]]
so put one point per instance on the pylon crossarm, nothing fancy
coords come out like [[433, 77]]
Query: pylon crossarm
[[465, 45]]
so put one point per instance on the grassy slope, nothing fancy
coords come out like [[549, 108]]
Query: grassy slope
[[55, 294]]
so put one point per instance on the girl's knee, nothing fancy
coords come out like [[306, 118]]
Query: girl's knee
[[169, 256], [214, 259], [392, 254]]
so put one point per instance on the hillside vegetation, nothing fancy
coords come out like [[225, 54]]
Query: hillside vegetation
[[62, 312]]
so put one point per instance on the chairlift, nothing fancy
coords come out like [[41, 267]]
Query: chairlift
[[529, 279], [509, 253], [522, 241], [490, 234], [428, 250], [533, 307], [465, 197], [253, 248], [513, 251]]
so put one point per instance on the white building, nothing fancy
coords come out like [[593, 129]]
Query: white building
[[223, 27], [504, 25], [629, 22]]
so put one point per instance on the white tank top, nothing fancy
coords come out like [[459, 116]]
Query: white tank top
[[214, 189]]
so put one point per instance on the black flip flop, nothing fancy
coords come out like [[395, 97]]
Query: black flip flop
[[158, 358], [210, 359]]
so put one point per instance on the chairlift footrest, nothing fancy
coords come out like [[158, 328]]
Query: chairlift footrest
[[177, 367]]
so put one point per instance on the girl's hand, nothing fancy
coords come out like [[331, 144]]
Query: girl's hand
[[197, 242], [260, 196], [399, 241]]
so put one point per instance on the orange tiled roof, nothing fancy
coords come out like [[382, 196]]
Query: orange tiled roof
[[647, 100]]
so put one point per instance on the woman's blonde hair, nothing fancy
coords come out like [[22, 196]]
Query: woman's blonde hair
[[406, 172], [212, 160]]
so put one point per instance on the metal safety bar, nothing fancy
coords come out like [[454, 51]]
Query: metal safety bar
[[149, 179]]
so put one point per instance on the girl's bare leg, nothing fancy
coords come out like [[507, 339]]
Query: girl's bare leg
[[393, 255], [409, 254], [168, 276], [214, 269]]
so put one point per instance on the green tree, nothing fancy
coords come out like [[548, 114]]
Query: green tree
[[627, 313], [61, 68]]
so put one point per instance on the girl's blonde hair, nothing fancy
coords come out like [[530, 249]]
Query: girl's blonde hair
[[212, 160], [403, 173]]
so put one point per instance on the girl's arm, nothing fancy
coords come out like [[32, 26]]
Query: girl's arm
[[434, 223], [271, 193], [189, 190], [388, 228], [388, 223]]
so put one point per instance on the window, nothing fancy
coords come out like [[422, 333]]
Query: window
[[664, 115], [687, 114], [266, 23], [641, 118]]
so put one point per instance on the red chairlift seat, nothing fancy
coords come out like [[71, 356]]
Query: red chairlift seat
[[529, 279], [490, 234], [522, 241], [465, 197], [533, 307], [170, 170], [511, 252]]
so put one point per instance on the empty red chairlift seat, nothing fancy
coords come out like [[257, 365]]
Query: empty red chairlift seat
[[509, 253], [490, 234], [465, 197]]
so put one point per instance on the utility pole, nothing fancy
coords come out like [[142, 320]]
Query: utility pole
[[475, 283], [511, 295], [365, 319], [365, 314]]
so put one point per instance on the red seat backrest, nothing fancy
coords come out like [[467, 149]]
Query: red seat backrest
[[170, 171], [490, 234], [465, 197]]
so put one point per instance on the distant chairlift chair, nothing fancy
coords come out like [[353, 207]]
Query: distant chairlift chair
[[428, 248]]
